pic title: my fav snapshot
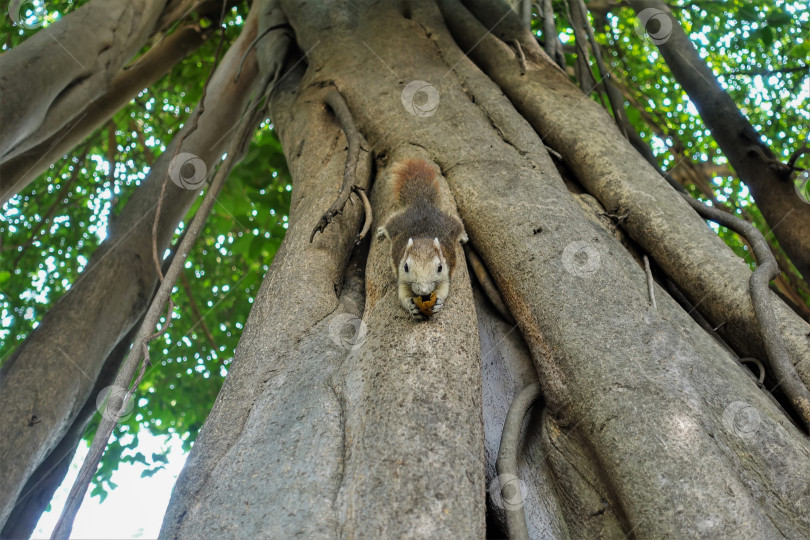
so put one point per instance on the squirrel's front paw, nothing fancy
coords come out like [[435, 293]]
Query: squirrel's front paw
[[438, 305], [410, 305]]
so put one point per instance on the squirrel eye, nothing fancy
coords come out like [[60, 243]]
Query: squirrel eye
[[406, 267], [440, 268]]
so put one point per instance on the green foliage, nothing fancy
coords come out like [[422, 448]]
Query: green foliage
[[49, 232]]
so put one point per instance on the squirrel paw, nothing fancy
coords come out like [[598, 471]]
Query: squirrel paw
[[410, 306], [438, 305], [414, 310], [463, 238]]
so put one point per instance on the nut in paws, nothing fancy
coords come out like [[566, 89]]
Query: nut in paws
[[426, 304]]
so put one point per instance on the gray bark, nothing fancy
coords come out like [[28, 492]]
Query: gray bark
[[304, 421], [49, 475], [641, 429], [21, 170], [609, 168], [72, 62], [506, 368], [52, 373], [341, 416], [655, 363]]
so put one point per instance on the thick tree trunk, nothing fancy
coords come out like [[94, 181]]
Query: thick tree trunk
[[768, 179], [52, 373], [320, 407], [639, 431]]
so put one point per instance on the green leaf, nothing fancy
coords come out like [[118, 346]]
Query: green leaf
[[147, 473]]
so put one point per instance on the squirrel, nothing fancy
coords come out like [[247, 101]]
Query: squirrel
[[423, 239]]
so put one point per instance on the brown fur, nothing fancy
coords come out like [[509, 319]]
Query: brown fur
[[415, 182], [423, 237], [417, 189]]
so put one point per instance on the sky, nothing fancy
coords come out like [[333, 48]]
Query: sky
[[133, 510]]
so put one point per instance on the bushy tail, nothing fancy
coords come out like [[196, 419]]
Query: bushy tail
[[415, 182]]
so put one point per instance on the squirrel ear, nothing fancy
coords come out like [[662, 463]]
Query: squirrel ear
[[410, 244], [438, 246]]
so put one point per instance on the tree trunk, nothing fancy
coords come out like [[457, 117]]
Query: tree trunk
[[648, 426], [51, 375], [49, 475]]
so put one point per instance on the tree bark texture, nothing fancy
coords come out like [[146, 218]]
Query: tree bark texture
[[92, 44], [636, 432], [344, 424], [610, 169], [52, 373], [38, 491]]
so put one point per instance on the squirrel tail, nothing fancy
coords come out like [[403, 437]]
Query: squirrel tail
[[415, 182]]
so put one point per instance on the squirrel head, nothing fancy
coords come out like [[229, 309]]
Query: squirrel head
[[423, 265]]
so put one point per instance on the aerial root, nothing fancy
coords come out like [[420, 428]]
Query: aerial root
[[334, 99], [482, 274], [650, 282], [767, 269], [506, 463]]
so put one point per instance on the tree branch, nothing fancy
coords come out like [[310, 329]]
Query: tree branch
[[482, 274], [760, 368], [650, 282], [64, 191], [20, 170], [795, 157], [765, 175], [582, 66], [553, 46], [253, 44], [752, 72], [367, 208], [195, 310], [520, 55], [194, 123], [615, 99]]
